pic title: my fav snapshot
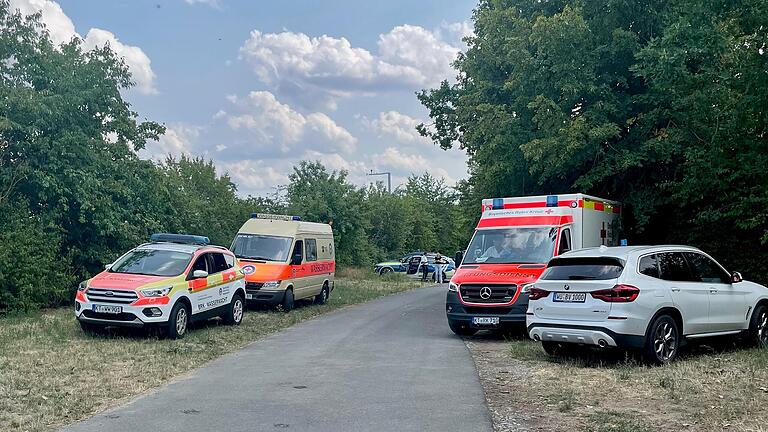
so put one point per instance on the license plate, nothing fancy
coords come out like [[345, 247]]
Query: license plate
[[485, 320], [107, 309], [249, 296], [570, 297]]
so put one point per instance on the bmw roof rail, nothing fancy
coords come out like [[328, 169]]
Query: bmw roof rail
[[179, 238]]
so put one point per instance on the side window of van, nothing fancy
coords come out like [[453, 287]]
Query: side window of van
[[565, 242], [297, 257], [311, 250]]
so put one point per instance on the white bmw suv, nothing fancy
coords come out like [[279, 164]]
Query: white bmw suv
[[648, 298]]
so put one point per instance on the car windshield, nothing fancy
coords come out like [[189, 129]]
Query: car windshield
[[513, 245], [152, 262], [262, 247]]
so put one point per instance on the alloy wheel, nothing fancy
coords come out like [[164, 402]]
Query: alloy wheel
[[181, 321], [665, 342], [762, 328], [237, 310]]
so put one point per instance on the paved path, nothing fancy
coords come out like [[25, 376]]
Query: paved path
[[388, 365]]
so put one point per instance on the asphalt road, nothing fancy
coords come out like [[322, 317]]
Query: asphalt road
[[388, 365]]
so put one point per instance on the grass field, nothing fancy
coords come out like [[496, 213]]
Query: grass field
[[715, 387], [51, 374]]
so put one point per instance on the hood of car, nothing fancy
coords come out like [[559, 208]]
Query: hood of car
[[124, 280], [498, 273]]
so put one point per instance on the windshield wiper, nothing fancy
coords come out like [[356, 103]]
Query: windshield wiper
[[254, 258]]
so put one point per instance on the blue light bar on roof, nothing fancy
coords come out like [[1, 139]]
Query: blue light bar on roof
[[552, 201], [498, 203], [180, 238], [275, 217]]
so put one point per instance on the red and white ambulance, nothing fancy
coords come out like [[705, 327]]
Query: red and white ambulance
[[513, 241]]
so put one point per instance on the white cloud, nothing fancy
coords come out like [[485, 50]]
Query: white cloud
[[277, 124], [404, 164], [408, 58], [397, 125], [178, 139], [254, 176], [62, 30]]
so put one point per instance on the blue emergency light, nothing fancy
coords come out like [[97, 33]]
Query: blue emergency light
[[180, 238], [552, 201], [498, 203]]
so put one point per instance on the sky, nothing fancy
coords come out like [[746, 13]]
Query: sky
[[257, 85]]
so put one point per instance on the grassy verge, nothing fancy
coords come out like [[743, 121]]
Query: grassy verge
[[711, 388], [52, 374]]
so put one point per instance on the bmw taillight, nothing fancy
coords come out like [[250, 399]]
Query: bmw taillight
[[537, 293], [617, 294]]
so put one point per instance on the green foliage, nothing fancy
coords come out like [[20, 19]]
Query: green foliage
[[661, 105]]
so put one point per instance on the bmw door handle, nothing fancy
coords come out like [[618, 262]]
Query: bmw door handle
[[675, 289], [712, 291]]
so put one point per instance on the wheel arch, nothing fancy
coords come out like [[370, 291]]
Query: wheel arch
[[184, 299], [672, 312], [760, 302]]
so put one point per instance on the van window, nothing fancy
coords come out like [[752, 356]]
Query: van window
[[311, 247], [674, 267], [565, 241], [298, 252], [649, 266], [261, 247], [598, 268], [706, 270]]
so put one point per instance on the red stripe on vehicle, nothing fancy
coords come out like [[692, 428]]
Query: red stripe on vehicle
[[523, 221]]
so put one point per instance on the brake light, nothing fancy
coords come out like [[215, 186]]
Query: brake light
[[536, 293], [617, 294]]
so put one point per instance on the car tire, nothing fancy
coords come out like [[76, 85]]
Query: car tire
[[662, 342], [461, 330], [288, 300], [385, 271], [758, 327], [91, 329], [322, 298], [235, 312], [178, 323]]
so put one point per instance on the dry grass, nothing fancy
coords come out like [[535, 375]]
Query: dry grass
[[711, 388], [52, 374]]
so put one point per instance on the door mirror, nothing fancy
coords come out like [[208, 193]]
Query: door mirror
[[458, 258], [296, 259], [108, 266], [199, 274], [736, 277]]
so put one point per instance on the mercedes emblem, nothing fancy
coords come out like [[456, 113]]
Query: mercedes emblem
[[485, 293]]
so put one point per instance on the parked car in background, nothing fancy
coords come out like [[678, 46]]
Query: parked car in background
[[513, 241], [285, 259], [395, 266], [169, 282], [647, 298], [409, 264]]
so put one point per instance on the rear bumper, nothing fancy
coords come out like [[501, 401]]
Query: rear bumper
[[509, 316], [583, 334], [264, 297]]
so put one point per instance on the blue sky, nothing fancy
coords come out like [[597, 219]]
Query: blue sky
[[259, 85]]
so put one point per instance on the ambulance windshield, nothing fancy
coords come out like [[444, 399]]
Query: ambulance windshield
[[260, 247], [152, 262], [512, 245]]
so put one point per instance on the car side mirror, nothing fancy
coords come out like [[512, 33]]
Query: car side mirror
[[458, 258], [199, 274], [296, 260], [108, 266], [736, 277]]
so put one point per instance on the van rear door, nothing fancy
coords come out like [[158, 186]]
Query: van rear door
[[576, 287]]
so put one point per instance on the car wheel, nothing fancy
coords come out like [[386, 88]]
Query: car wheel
[[91, 329], [758, 327], [460, 330], [287, 303], [178, 324], [662, 342], [322, 298], [385, 271], [234, 315]]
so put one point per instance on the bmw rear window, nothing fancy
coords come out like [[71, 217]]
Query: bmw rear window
[[583, 269]]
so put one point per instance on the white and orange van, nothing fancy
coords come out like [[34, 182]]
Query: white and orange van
[[285, 259]]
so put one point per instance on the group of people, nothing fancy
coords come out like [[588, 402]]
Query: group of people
[[439, 264]]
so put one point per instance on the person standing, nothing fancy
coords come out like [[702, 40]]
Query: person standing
[[424, 265], [439, 261]]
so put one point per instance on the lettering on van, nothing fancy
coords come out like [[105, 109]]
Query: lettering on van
[[321, 268]]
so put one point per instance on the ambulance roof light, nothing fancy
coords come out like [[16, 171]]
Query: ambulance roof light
[[275, 217], [179, 238], [552, 201]]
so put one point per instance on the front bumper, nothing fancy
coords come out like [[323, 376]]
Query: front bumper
[[264, 297], [509, 316], [131, 316]]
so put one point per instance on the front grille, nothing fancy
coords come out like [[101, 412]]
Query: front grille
[[253, 286], [125, 316], [499, 293], [115, 296]]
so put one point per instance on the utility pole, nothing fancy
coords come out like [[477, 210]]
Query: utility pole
[[389, 178]]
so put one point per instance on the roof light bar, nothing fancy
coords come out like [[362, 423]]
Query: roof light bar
[[275, 217], [179, 238]]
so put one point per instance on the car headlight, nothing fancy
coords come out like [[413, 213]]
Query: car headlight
[[527, 288], [156, 292], [452, 287], [271, 284], [83, 285]]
